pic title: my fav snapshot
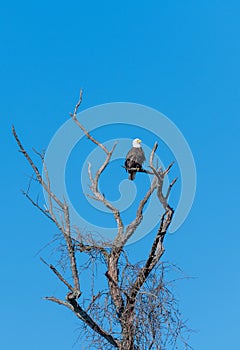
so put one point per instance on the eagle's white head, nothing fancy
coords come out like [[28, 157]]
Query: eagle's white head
[[136, 143]]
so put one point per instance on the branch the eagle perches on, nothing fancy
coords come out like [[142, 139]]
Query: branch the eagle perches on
[[123, 300]]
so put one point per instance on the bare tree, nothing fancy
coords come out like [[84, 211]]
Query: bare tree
[[135, 308]]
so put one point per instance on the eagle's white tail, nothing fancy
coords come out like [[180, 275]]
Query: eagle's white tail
[[132, 175]]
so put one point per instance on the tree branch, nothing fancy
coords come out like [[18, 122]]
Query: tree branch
[[74, 117], [82, 315], [58, 274], [157, 249], [71, 253], [35, 169], [95, 180], [131, 228], [119, 242]]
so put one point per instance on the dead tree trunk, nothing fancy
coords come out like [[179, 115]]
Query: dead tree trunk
[[136, 310]]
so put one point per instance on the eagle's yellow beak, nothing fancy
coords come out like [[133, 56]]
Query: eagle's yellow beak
[[139, 141]]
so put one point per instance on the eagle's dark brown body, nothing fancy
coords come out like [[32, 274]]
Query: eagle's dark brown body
[[134, 160]]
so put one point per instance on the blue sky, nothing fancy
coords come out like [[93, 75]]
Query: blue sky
[[181, 58]]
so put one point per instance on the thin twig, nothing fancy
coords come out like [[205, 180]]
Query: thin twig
[[35, 169], [58, 274], [74, 117]]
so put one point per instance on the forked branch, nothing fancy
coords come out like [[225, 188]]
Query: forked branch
[[157, 248], [95, 179]]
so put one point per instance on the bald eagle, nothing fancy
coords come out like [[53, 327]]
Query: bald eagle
[[134, 159]]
